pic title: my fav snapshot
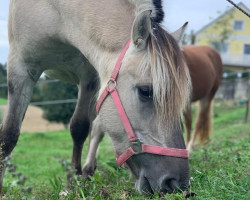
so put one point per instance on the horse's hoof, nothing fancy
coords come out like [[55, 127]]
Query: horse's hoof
[[88, 171]]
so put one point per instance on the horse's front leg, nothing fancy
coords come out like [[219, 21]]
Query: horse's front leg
[[21, 80], [82, 119], [96, 137]]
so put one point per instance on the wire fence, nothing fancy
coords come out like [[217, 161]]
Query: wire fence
[[43, 103], [234, 89], [3, 85], [229, 89]]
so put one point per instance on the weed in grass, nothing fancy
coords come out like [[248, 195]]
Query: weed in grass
[[18, 182]]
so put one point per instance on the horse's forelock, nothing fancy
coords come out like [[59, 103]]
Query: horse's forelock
[[171, 80]]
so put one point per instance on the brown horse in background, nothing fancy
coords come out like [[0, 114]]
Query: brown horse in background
[[205, 67]]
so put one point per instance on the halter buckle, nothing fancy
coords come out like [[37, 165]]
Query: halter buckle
[[137, 146]]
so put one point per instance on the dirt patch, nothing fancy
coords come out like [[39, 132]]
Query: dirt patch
[[34, 122]]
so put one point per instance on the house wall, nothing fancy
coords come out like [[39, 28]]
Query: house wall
[[236, 40], [234, 58]]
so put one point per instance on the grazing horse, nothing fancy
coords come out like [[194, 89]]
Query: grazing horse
[[81, 42], [205, 68]]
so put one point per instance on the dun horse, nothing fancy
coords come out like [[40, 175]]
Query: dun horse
[[81, 41], [205, 68]]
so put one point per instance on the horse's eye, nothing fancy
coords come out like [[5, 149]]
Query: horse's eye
[[145, 92]]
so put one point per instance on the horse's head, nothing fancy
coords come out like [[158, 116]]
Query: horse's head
[[153, 86]]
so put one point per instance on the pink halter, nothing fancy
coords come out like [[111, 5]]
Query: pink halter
[[141, 148]]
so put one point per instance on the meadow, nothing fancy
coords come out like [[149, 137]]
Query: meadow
[[3, 101], [39, 165]]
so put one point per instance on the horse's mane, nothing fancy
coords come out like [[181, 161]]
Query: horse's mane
[[170, 75], [159, 11], [154, 5]]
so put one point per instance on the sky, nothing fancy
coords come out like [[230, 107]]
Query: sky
[[197, 12]]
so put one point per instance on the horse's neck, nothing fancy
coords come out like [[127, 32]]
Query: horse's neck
[[97, 28], [101, 28]]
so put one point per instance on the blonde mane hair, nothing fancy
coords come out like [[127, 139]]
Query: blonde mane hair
[[170, 75]]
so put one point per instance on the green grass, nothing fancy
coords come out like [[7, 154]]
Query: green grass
[[3, 101], [219, 171]]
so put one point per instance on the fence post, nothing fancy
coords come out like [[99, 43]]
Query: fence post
[[246, 102], [247, 111]]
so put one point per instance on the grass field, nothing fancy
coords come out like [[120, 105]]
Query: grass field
[[219, 171], [3, 101]]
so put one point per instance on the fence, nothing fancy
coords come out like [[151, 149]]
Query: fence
[[234, 89], [238, 88], [3, 90]]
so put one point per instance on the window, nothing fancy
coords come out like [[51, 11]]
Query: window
[[247, 49], [222, 47], [225, 47], [238, 25]]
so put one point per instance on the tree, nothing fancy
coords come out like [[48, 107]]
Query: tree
[[223, 29], [37, 93], [59, 91], [3, 81], [189, 38]]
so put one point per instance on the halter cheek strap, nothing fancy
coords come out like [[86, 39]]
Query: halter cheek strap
[[135, 143]]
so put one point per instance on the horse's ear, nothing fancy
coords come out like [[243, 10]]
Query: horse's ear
[[178, 35], [141, 29]]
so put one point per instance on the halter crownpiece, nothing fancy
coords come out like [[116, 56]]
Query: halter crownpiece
[[136, 145]]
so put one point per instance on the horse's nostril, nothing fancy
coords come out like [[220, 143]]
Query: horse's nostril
[[147, 188], [143, 186], [174, 185], [169, 185]]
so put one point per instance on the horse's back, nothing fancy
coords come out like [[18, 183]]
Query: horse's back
[[33, 29], [37, 37], [37, 17], [205, 67]]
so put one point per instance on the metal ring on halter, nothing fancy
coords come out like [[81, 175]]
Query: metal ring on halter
[[111, 85], [137, 146]]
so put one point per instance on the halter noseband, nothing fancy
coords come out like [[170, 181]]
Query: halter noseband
[[134, 142]]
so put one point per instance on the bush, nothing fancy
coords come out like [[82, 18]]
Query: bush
[[59, 91]]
